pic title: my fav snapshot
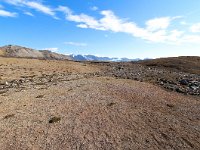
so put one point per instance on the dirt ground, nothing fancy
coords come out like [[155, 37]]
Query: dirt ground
[[67, 105]]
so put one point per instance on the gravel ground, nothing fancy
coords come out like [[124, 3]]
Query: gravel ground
[[62, 109]]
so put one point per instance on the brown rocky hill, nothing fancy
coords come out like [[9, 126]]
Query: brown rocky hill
[[23, 52]]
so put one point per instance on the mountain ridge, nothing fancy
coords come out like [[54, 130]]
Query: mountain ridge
[[24, 52], [80, 57]]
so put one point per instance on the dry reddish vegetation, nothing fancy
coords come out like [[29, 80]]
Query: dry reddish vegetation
[[71, 105]]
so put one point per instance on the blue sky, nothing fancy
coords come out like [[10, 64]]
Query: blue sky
[[114, 28]]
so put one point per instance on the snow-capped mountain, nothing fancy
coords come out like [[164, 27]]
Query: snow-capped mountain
[[97, 58]]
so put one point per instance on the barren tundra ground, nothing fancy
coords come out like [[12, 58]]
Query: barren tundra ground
[[47, 104]]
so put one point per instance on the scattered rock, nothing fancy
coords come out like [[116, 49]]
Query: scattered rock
[[170, 105], [54, 119], [180, 90], [9, 116], [2, 91], [177, 81], [184, 82], [110, 104], [39, 96]]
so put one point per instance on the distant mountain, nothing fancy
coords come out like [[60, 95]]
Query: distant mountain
[[96, 58], [23, 52]]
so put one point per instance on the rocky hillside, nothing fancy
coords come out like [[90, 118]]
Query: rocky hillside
[[23, 52], [189, 64]]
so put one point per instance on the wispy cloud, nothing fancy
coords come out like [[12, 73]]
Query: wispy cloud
[[42, 8], [4, 13], [28, 13], [94, 8], [75, 44], [38, 6], [14, 2]]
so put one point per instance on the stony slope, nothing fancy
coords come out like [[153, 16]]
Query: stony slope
[[23, 52], [179, 74], [189, 64]]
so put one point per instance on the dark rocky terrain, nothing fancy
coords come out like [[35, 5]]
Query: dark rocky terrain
[[57, 105], [188, 64], [181, 74]]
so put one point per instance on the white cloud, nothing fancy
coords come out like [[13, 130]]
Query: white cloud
[[195, 28], [158, 30], [51, 49], [4, 13], [84, 20], [28, 13], [158, 23], [154, 32], [94, 8], [82, 26], [75, 44], [111, 22], [183, 23], [64, 9], [175, 36], [40, 7]]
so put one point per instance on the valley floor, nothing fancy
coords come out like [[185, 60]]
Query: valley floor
[[70, 105]]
